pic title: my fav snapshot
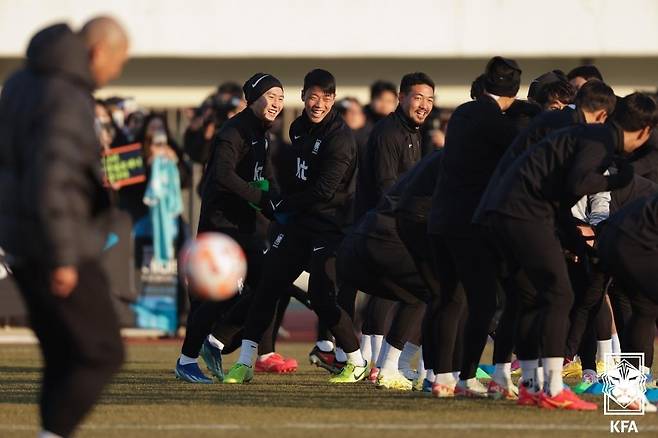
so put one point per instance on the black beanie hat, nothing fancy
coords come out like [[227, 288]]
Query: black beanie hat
[[257, 85], [545, 79], [502, 77]]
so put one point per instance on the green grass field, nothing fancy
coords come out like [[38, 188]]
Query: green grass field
[[146, 401]]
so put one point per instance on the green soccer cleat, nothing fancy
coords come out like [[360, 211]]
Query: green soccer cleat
[[239, 373], [350, 374]]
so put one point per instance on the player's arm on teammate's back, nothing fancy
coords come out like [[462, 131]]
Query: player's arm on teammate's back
[[229, 150], [586, 175], [334, 161]]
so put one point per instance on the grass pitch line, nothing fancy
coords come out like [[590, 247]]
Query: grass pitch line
[[333, 426]]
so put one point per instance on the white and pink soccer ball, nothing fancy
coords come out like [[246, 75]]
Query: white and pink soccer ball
[[213, 266]]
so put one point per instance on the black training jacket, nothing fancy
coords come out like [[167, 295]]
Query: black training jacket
[[539, 128], [53, 206], [239, 156], [638, 220], [639, 187], [415, 201], [318, 174], [393, 148], [645, 159], [410, 197], [552, 175], [477, 137]]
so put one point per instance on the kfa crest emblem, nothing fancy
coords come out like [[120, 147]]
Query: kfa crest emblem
[[624, 384]]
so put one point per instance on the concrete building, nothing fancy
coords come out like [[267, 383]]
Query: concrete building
[[182, 50]]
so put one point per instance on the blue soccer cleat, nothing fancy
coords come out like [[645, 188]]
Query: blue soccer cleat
[[427, 386], [190, 373], [212, 356]]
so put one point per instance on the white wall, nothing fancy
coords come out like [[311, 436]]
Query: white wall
[[355, 28]]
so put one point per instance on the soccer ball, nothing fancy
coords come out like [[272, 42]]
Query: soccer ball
[[213, 266]]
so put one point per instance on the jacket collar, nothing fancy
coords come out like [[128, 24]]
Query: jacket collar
[[404, 120], [254, 122], [618, 136], [309, 126]]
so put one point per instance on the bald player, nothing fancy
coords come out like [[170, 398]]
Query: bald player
[[54, 212]]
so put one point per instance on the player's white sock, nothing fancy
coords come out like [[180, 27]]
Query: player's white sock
[[325, 346], [616, 345], [429, 375], [445, 379], [603, 347], [186, 360], [539, 377], [340, 355], [46, 434], [248, 352], [376, 342], [553, 384], [265, 356], [529, 374], [356, 358], [366, 348], [215, 342], [455, 375], [408, 352], [502, 373], [392, 357]]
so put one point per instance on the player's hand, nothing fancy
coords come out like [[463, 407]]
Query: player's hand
[[588, 233], [63, 280]]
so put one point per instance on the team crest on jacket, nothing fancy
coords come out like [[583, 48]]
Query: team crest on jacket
[[278, 240], [316, 147]]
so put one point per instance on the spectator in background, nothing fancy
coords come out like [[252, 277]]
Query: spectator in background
[[353, 114], [217, 108], [579, 75], [105, 129], [131, 198], [383, 101], [112, 132], [433, 136], [114, 105], [134, 125]]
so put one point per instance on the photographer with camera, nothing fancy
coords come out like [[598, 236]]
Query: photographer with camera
[[216, 109]]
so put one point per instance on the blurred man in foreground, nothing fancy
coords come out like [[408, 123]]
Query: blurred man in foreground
[[54, 212]]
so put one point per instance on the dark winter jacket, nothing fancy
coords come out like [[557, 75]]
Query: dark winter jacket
[[410, 198], [53, 206], [638, 221], [393, 148], [477, 137], [239, 156], [551, 176]]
